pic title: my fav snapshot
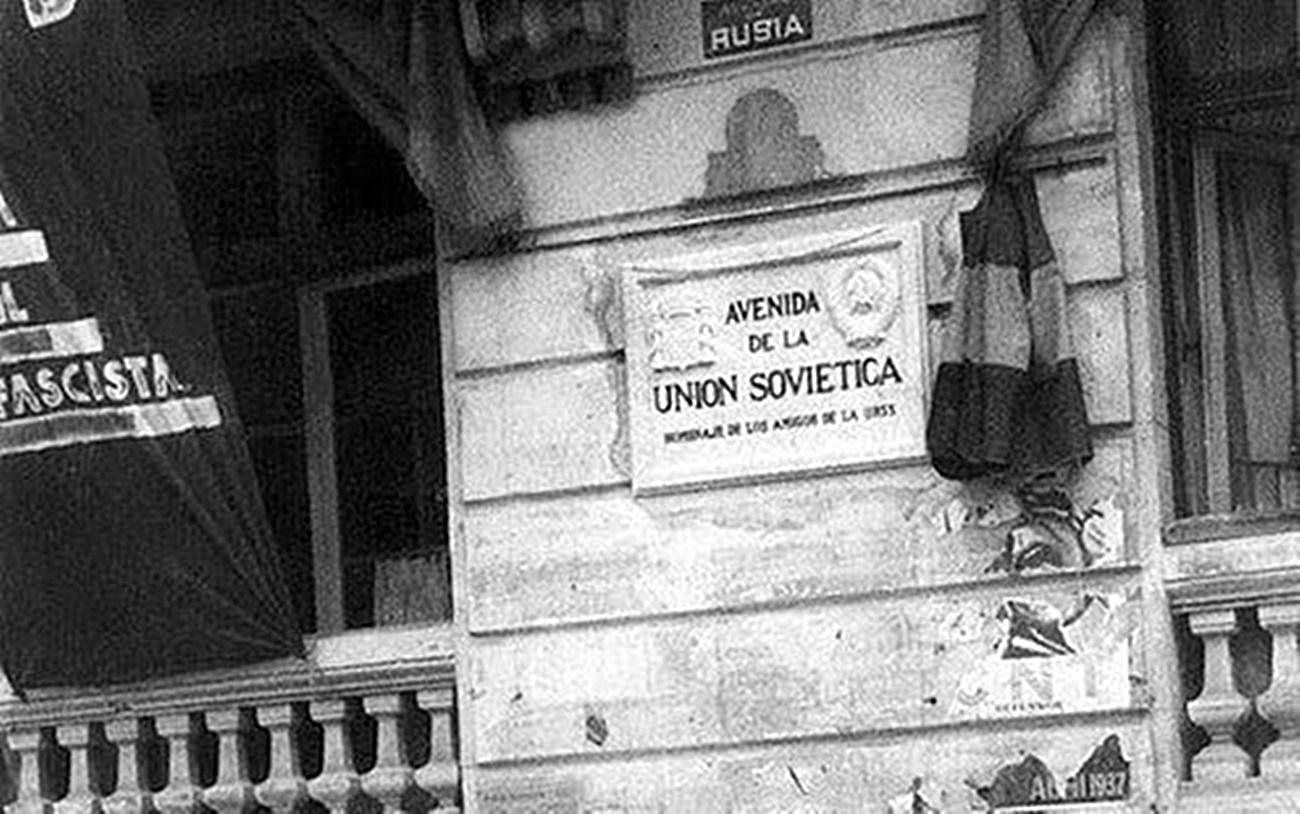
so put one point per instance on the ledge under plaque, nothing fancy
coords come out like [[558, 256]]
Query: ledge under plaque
[[794, 355]]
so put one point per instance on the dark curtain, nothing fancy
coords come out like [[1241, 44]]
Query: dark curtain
[[1024, 44], [132, 540], [533, 57], [403, 64]]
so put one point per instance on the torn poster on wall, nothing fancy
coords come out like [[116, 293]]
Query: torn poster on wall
[[1020, 656], [990, 530], [1103, 776]]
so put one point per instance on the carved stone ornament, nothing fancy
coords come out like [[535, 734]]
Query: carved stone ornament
[[681, 336], [764, 148]]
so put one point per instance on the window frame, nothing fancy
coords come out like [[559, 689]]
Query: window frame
[[319, 424], [1214, 460]]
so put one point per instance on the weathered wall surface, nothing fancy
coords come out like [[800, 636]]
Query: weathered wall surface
[[805, 644]]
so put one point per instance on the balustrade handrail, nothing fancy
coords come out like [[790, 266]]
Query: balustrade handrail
[[279, 681], [1237, 561], [1247, 626], [371, 717]]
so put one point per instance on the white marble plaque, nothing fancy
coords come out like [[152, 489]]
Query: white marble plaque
[[786, 356]]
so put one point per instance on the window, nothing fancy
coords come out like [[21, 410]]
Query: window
[[1236, 325], [1232, 249], [375, 453], [339, 388], [1229, 128], [257, 329], [1245, 196], [289, 196]]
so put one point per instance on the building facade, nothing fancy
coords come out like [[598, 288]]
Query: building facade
[[655, 603]]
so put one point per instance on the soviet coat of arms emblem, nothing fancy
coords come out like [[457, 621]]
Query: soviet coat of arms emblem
[[41, 13], [864, 297]]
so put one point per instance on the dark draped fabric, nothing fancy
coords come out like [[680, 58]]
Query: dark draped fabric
[[1024, 44], [403, 64], [132, 539], [1007, 399]]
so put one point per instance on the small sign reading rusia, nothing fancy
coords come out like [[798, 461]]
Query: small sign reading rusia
[[733, 27]]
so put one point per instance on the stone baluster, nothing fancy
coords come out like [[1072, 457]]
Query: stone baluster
[[1219, 706], [26, 746], [392, 776], [232, 793], [81, 797], [130, 797], [440, 777], [1280, 704], [181, 795], [284, 787], [338, 783]]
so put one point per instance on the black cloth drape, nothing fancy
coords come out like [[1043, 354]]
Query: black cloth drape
[[1024, 44], [403, 64], [1007, 398], [534, 57], [133, 543]]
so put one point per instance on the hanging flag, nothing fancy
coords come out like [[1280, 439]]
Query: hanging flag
[[1008, 396], [132, 539], [1024, 45]]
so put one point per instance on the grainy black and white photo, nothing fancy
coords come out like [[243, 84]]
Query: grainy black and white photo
[[649, 406]]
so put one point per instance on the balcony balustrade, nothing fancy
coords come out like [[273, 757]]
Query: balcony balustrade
[[284, 737], [1241, 673]]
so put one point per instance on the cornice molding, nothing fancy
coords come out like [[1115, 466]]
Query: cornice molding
[[1247, 589]]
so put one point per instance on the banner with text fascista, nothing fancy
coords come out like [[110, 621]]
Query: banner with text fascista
[[133, 543]]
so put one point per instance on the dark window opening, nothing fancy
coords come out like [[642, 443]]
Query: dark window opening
[[363, 177], [258, 331], [388, 451], [223, 161], [268, 201]]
